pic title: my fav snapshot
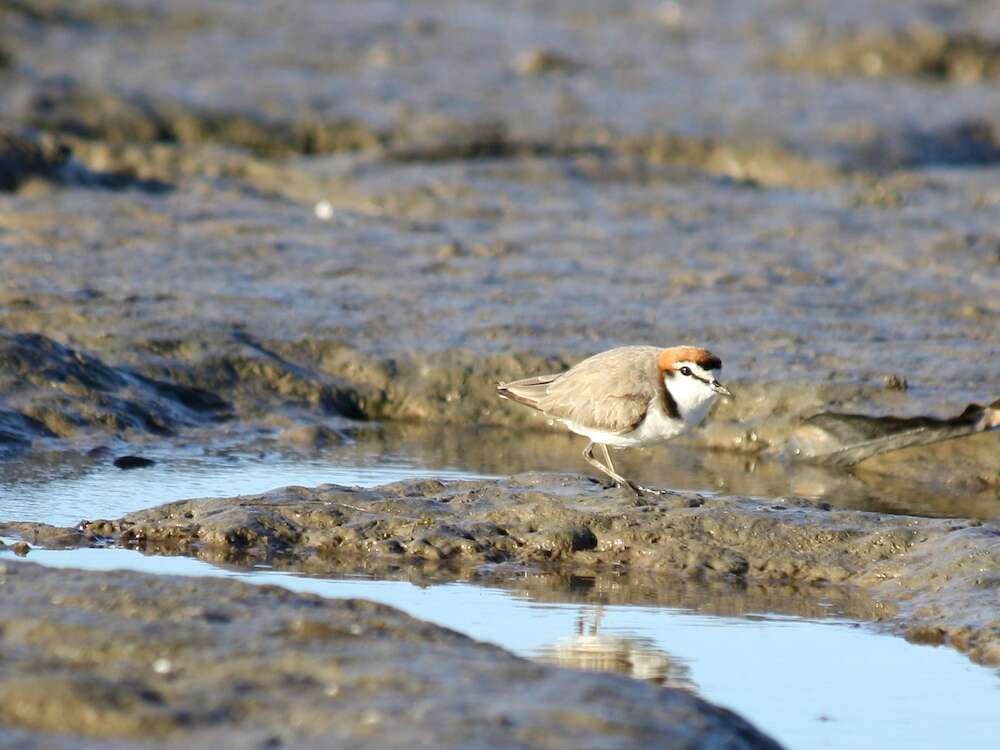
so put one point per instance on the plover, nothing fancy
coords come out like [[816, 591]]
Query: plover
[[627, 397]]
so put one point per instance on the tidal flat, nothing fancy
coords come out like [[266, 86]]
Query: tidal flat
[[275, 260]]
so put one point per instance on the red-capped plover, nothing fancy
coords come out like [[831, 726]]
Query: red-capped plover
[[627, 397]]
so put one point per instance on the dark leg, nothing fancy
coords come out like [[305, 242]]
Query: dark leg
[[637, 487]]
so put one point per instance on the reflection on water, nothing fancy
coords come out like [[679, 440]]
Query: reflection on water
[[821, 682], [65, 488], [810, 676], [66, 491], [636, 656]]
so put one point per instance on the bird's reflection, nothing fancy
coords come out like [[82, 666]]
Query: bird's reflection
[[636, 656]]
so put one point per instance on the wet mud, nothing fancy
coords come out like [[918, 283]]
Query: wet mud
[[848, 439], [918, 51], [935, 579], [287, 241], [420, 326], [311, 226], [150, 661]]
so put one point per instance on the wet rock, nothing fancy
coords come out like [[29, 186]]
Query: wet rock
[[103, 124], [541, 520], [20, 549], [133, 462], [31, 159], [458, 68], [154, 661], [445, 140], [18, 430], [67, 13], [985, 248]]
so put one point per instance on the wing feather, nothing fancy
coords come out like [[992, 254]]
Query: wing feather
[[528, 391], [610, 391]]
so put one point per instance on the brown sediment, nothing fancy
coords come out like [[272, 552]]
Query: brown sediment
[[920, 51], [541, 520], [88, 15], [154, 661], [131, 135], [635, 179]]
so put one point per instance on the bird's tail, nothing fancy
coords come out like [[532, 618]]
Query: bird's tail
[[528, 391]]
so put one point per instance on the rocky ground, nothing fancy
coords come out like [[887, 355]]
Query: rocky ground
[[220, 226]]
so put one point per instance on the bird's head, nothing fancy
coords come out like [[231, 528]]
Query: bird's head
[[691, 376]]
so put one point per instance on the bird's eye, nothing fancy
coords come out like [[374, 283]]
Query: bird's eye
[[685, 371]]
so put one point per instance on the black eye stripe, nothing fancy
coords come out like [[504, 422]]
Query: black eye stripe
[[687, 371]]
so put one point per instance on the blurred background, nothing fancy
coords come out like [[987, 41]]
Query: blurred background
[[290, 215], [252, 244]]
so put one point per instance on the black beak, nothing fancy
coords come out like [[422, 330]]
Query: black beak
[[721, 389]]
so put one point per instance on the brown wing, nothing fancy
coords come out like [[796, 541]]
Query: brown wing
[[609, 391], [528, 391]]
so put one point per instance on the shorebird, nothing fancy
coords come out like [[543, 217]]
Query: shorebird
[[627, 397]]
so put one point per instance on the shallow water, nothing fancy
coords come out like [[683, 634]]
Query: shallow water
[[793, 273], [66, 493], [810, 683], [65, 488], [829, 682]]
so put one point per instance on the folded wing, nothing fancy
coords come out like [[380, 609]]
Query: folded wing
[[610, 391]]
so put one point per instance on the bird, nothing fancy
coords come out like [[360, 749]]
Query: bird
[[626, 397]]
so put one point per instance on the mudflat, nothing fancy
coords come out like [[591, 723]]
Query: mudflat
[[278, 227], [152, 661]]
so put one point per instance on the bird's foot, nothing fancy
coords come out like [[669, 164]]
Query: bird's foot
[[630, 487], [640, 490]]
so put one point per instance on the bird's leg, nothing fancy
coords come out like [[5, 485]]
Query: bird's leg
[[588, 455], [607, 457], [637, 487]]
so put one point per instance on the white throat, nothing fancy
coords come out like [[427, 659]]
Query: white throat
[[693, 398]]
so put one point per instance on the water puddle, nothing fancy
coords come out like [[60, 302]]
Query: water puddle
[[65, 488], [822, 680], [827, 683], [67, 492]]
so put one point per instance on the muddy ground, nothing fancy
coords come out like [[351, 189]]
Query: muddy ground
[[130, 660], [220, 226], [934, 580], [521, 189]]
